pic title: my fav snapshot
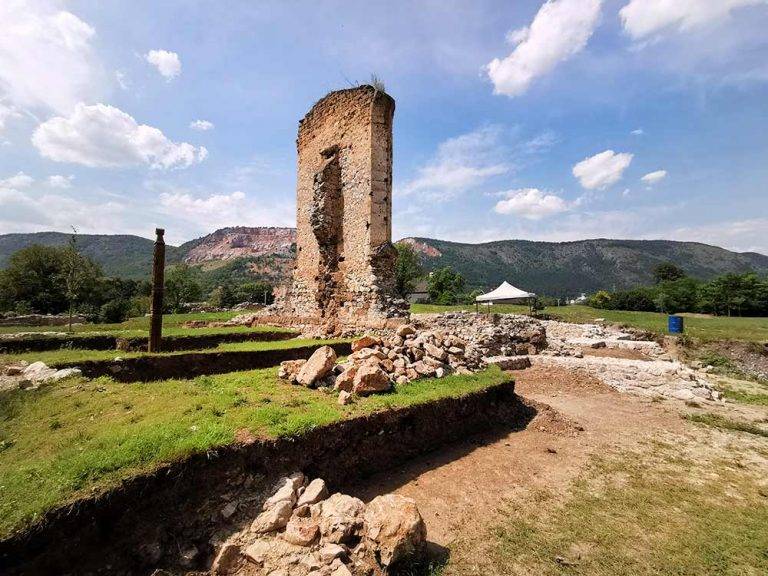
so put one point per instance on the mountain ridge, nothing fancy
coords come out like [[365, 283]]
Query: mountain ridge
[[553, 268]]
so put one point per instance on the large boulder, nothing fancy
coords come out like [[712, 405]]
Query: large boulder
[[370, 378], [313, 493], [346, 380], [274, 518], [318, 366], [394, 524], [340, 517]]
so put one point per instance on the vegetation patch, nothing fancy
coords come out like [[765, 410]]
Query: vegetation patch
[[724, 423], [80, 437], [654, 513]]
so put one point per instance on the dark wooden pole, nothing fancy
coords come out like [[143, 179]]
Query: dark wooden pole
[[158, 280]]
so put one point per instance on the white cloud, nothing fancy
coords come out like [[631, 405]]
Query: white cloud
[[217, 203], [642, 18], [461, 163], [122, 80], [201, 125], [167, 63], [104, 136], [602, 170], [530, 203], [7, 111], [24, 212], [560, 29], [59, 181], [46, 59], [654, 177], [638, 132], [740, 235], [20, 180]]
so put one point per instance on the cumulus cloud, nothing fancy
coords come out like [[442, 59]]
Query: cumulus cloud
[[187, 204], [530, 203], [602, 170], [7, 111], [642, 18], [461, 163], [201, 125], [654, 177], [59, 181], [560, 29], [167, 63], [26, 212], [104, 136], [46, 57], [20, 180]]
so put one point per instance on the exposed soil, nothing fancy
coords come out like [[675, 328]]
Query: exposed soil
[[749, 358], [460, 490]]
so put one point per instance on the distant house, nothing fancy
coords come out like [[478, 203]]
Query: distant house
[[580, 300], [420, 294]]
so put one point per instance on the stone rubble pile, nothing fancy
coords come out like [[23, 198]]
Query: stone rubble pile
[[304, 531], [446, 344], [27, 376]]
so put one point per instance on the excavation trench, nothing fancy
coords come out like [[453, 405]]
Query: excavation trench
[[168, 518], [137, 343], [190, 365]]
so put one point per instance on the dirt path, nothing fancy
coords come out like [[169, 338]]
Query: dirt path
[[460, 490]]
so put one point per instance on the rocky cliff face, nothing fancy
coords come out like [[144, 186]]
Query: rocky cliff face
[[241, 242]]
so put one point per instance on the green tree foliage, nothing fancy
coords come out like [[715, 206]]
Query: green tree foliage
[[730, 294], [667, 272], [258, 292], [445, 286], [407, 270], [223, 296], [182, 286]]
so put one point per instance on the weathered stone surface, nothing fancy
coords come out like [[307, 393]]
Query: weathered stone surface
[[301, 531], [345, 259], [329, 552], [318, 366], [405, 330], [314, 492], [289, 369], [285, 492], [369, 379], [393, 522], [346, 380], [344, 398], [274, 518], [340, 517], [365, 342], [228, 560], [509, 362]]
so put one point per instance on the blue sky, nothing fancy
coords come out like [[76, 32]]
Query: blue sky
[[546, 121]]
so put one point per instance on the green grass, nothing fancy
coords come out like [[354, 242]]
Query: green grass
[[702, 328], [172, 326], [744, 397], [723, 423], [77, 437], [640, 514], [66, 355]]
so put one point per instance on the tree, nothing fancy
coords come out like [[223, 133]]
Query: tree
[[223, 296], [80, 276], [181, 287], [445, 286], [667, 272], [407, 270], [601, 299]]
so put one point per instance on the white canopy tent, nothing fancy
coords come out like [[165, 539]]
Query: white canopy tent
[[506, 294]]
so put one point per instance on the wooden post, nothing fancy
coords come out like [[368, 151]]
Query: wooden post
[[158, 280]]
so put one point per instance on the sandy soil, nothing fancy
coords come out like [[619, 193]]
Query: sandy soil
[[460, 490]]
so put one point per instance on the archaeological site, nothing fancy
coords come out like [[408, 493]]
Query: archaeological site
[[340, 431]]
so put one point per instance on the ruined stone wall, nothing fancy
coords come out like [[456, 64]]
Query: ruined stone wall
[[344, 274]]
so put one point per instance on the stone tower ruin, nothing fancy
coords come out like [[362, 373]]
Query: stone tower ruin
[[344, 275]]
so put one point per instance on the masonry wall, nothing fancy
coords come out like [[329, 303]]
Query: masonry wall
[[344, 274]]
